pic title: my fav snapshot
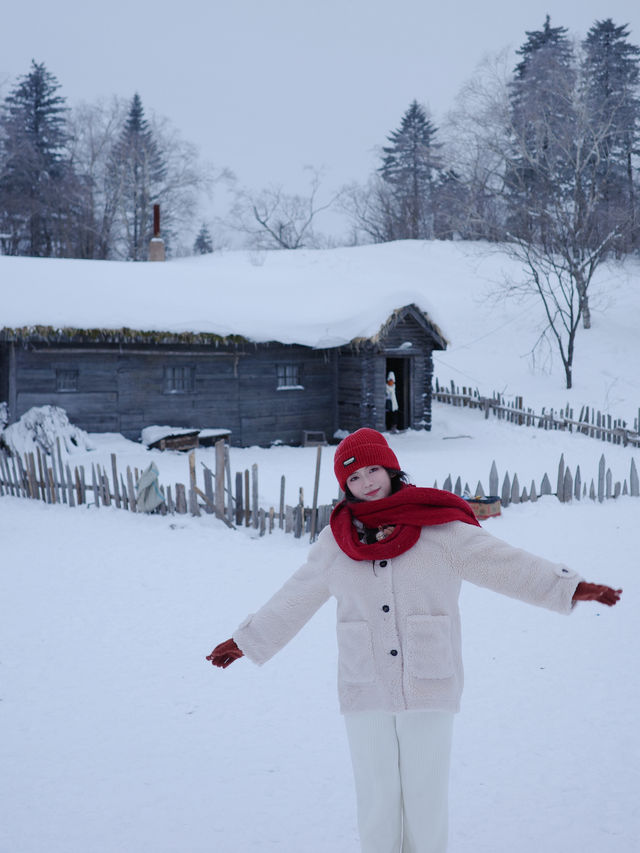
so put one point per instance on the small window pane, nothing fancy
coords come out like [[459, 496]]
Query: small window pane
[[66, 380], [178, 380], [288, 375]]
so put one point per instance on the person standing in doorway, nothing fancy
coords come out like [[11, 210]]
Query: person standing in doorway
[[391, 402], [394, 557]]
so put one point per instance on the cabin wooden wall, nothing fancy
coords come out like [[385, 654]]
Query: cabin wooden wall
[[122, 389]]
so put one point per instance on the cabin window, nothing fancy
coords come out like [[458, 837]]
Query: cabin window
[[66, 380], [289, 378], [179, 380]]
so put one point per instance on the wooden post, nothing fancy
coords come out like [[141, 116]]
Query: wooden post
[[314, 505], [560, 480], [41, 477], [181, 499], [4, 470], [106, 489], [505, 496], [52, 485], [114, 471], [227, 478], [208, 489], [123, 491], [131, 491], [247, 507], [63, 486], [545, 485], [219, 501], [254, 494], [281, 513], [634, 484], [239, 503], [70, 487], [192, 470], [601, 470], [515, 490], [298, 513]]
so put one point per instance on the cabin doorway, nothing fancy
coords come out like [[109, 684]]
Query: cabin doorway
[[400, 368]]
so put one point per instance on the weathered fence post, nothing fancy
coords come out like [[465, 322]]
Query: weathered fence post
[[219, 501], [314, 506], [281, 513], [239, 502], [247, 506], [254, 494]]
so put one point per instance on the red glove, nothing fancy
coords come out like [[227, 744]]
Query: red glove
[[225, 654], [597, 592]]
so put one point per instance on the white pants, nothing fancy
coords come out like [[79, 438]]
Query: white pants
[[401, 770]]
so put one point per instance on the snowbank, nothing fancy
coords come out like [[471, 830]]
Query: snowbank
[[39, 427]]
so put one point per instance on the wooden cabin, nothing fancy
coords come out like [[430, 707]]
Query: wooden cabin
[[269, 348], [123, 380]]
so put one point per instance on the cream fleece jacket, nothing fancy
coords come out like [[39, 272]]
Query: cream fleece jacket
[[399, 639]]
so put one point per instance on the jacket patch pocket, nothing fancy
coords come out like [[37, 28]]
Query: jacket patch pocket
[[355, 652], [429, 651]]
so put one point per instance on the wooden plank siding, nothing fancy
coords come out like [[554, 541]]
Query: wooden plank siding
[[124, 391], [121, 386]]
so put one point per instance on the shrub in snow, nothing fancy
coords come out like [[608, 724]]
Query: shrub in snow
[[39, 427], [4, 415]]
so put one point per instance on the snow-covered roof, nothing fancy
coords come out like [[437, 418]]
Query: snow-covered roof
[[315, 298]]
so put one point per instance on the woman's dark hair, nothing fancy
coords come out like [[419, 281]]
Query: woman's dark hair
[[398, 480]]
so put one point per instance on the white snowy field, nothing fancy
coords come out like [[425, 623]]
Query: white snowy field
[[117, 735]]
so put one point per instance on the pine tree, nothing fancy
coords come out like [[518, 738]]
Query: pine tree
[[611, 74], [411, 166], [543, 120], [138, 169], [37, 184], [203, 244]]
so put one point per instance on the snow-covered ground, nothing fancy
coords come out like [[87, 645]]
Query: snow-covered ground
[[116, 736]]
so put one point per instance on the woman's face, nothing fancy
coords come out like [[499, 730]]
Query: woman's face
[[370, 483]]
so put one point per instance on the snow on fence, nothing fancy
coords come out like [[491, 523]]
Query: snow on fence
[[50, 479], [590, 422], [39, 476]]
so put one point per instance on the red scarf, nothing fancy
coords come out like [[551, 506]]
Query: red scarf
[[407, 511]]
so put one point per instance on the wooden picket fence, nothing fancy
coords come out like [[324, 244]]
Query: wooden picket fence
[[568, 486], [49, 478], [590, 422]]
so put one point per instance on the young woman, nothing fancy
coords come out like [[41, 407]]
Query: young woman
[[394, 557]]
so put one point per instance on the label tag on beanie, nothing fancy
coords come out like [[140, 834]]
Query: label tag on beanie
[[349, 461]]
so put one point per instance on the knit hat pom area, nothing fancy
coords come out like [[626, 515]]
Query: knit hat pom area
[[363, 447]]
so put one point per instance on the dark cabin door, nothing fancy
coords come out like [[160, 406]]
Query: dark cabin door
[[400, 366]]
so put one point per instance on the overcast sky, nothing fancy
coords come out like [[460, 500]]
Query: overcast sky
[[265, 87]]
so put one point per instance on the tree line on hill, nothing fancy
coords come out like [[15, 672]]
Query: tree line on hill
[[82, 183], [545, 155]]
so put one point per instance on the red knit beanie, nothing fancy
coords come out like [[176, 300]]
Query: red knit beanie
[[363, 447]]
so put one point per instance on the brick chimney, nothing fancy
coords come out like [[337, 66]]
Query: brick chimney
[[156, 244]]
